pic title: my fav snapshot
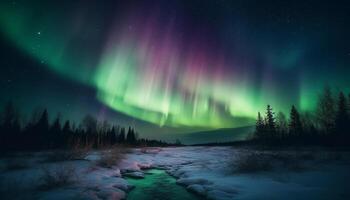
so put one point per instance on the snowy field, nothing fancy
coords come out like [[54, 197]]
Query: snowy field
[[210, 172]]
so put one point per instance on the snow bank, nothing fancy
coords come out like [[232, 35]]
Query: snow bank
[[206, 171]]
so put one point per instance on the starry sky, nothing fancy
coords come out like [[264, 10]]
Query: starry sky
[[172, 66]]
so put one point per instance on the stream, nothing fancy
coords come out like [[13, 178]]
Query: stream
[[158, 185]]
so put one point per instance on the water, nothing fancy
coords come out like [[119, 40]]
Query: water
[[158, 185]]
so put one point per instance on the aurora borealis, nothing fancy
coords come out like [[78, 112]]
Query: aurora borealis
[[208, 64]]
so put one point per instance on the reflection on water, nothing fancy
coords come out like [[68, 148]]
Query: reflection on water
[[158, 185]]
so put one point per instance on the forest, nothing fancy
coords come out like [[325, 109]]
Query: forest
[[328, 124], [39, 133]]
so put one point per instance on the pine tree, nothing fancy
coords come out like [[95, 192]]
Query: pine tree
[[348, 109], [43, 123], [178, 142], [67, 134], [270, 122], [113, 136], [130, 137], [66, 127], [56, 126], [121, 136], [41, 130], [308, 124], [281, 124], [259, 127], [348, 106], [10, 127], [90, 124], [326, 111], [56, 133], [341, 118], [295, 126], [8, 117]]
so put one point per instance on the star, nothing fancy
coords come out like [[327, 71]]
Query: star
[[38, 33]]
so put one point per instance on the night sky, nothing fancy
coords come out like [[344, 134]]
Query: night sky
[[172, 66]]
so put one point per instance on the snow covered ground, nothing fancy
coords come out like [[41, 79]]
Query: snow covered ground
[[210, 172]]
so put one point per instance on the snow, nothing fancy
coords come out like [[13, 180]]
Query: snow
[[206, 171], [192, 181], [135, 174], [196, 188]]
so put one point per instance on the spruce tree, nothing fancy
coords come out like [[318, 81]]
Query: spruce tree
[[8, 117], [259, 127], [56, 133], [348, 108], [130, 137], [41, 131], [10, 127], [270, 122], [43, 123], [113, 136], [67, 133], [121, 136], [66, 127], [341, 118], [281, 124], [326, 111], [295, 126]]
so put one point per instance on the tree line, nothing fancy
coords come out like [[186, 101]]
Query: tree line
[[39, 134], [329, 124]]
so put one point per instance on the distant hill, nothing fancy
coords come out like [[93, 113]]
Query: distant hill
[[218, 135]]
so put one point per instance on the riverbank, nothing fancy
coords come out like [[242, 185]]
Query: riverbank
[[210, 172]]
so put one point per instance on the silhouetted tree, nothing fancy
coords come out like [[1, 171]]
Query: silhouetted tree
[[178, 142], [43, 123], [89, 124], [56, 138], [295, 126], [341, 119], [131, 137], [66, 127], [10, 127], [348, 106], [103, 130], [326, 111], [9, 117], [38, 134], [281, 124], [259, 127], [270, 122], [67, 134], [113, 135], [42, 128], [308, 124], [121, 136]]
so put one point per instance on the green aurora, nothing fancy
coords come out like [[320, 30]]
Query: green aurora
[[140, 66]]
